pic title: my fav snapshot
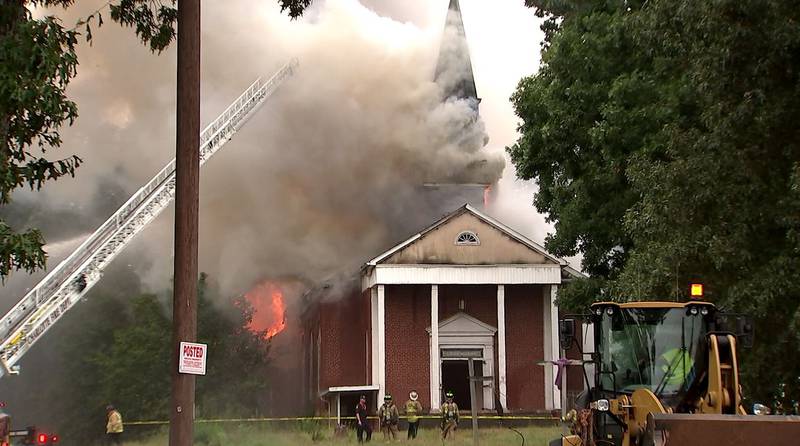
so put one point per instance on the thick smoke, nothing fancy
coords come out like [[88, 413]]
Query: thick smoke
[[329, 173], [325, 175]]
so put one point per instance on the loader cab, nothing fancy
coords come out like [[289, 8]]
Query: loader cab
[[660, 346]]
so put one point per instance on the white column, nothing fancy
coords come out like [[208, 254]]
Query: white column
[[547, 337], [373, 304], [501, 345], [552, 348], [434, 347], [381, 344], [489, 387], [338, 408]]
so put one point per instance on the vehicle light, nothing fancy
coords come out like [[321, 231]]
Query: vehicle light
[[42, 438], [600, 405], [696, 291], [760, 409], [609, 311], [598, 312], [693, 311], [54, 439], [704, 311]]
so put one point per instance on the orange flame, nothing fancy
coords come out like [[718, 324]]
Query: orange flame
[[269, 315]]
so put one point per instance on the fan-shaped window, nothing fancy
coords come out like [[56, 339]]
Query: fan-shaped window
[[467, 238]]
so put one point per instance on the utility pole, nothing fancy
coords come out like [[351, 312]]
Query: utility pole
[[187, 185]]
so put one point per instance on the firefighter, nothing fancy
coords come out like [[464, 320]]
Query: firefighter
[[388, 417], [677, 366], [113, 425], [449, 417], [362, 423], [5, 428], [413, 410]]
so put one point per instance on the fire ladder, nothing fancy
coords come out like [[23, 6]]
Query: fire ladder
[[54, 295]]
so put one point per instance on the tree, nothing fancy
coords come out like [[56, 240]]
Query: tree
[[135, 370], [238, 374], [663, 136], [125, 360], [37, 62], [58, 388]]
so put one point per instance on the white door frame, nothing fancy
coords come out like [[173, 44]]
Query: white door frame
[[472, 334], [487, 358]]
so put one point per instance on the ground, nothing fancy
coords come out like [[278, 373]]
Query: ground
[[310, 434]]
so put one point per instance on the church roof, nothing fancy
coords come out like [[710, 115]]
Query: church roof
[[454, 67], [511, 233]]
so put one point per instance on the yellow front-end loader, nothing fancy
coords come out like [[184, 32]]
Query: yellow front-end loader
[[666, 373]]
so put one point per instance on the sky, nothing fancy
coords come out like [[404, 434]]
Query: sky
[[365, 69]]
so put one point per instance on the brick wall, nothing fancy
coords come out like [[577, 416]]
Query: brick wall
[[480, 302], [366, 304], [524, 347], [344, 343], [408, 309], [310, 322]]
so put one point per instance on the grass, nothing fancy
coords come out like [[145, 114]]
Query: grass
[[321, 435]]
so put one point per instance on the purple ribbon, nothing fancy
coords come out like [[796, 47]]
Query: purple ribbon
[[561, 363]]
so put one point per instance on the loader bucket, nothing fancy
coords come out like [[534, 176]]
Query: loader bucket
[[728, 430]]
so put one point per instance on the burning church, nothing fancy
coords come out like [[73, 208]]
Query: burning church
[[490, 293], [466, 287]]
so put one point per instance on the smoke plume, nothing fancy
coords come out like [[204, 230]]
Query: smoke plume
[[332, 163]]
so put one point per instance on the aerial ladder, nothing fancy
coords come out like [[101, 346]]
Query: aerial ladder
[[68, 282]]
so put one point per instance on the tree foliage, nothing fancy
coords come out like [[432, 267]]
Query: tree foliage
[[125, 360], [37, 62], [664, 139]]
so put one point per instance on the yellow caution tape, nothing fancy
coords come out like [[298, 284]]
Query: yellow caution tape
[[267, 419]]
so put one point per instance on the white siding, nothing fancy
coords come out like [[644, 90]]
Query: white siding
[[463, 274]]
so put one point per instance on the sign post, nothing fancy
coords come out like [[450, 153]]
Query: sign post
[[473, 403], [473, 400]]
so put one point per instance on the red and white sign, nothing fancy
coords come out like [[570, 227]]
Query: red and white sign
[[192, 358]]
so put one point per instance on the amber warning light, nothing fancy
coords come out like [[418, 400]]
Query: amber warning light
[[696, 291]]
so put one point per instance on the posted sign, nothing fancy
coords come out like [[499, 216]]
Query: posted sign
[[192, 358]]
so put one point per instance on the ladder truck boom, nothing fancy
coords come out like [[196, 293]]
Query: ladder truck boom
[[65, 284]]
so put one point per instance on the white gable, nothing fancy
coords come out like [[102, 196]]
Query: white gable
[[490, 243], [462, 324]]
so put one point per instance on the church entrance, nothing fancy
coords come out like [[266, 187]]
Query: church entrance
[[462, 337], [455, 378]]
